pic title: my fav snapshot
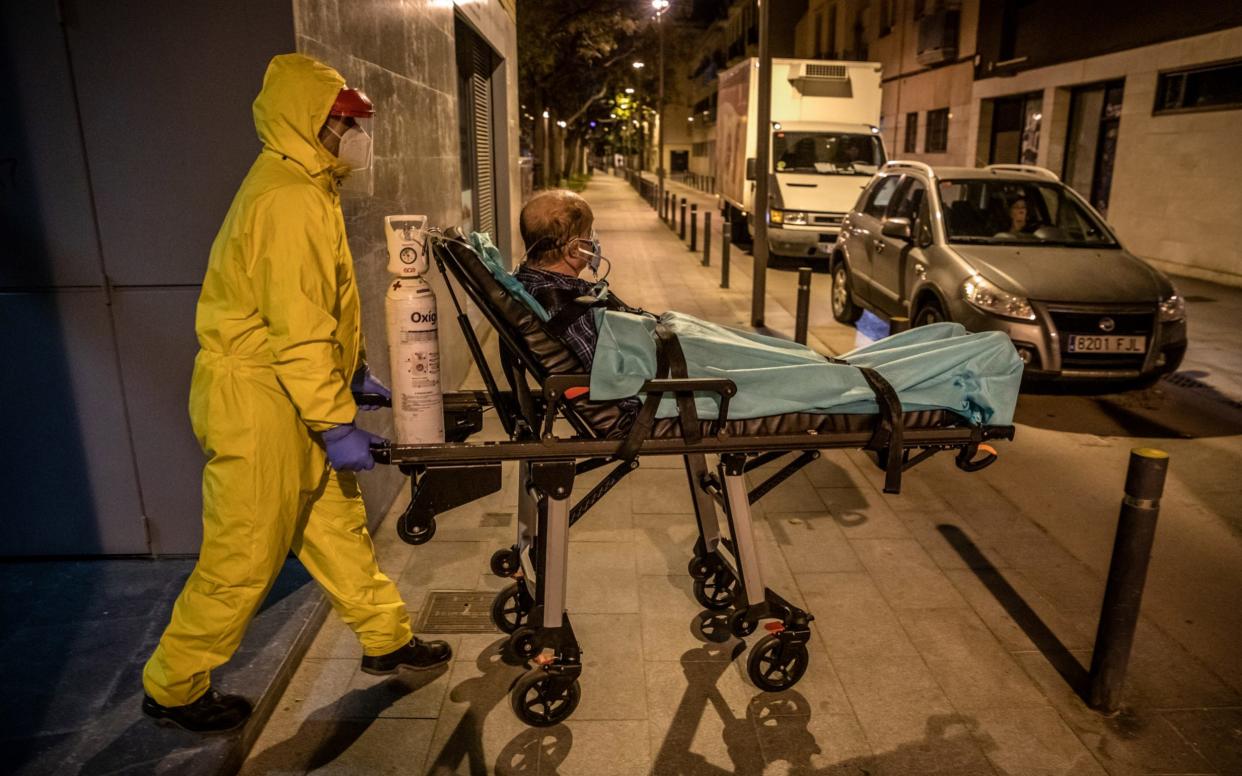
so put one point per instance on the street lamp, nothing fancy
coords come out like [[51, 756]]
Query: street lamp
[[660, 7], [629, 90], [547, 162], [639, 65]]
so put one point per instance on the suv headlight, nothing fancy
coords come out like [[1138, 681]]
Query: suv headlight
[[1173, 308], [793, 217], [990, 299]]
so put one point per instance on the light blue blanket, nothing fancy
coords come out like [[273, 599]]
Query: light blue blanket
[[931, 367]]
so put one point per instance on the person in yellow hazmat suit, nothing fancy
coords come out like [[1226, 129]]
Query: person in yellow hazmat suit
[[272, 407]]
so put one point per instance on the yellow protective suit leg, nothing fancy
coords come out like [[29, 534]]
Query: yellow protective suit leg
[[336, 548], [266, 485]]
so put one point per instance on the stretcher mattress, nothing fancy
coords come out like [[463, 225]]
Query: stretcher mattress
[[938, 366]]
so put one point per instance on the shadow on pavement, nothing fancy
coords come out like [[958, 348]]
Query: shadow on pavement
[[321, 739], [1179, 406], [776, 727], [1073, 672]]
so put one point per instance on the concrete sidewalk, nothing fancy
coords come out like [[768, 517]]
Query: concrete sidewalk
[[951, 627]]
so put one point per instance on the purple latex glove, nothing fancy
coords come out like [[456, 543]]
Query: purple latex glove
[[366, 383], [349, 447]]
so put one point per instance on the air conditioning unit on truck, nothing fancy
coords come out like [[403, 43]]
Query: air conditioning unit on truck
[[825, 147]]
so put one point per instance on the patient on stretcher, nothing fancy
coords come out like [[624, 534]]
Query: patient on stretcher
[[931, 367]]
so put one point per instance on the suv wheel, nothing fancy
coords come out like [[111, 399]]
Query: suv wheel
[[929, 312], [843, 307]]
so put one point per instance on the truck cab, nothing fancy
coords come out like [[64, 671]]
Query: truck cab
[[818, 171], [825, 148]]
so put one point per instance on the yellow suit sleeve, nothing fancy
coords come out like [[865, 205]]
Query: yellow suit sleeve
[[294, 278]]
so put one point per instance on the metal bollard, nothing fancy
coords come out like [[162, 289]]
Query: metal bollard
[[694, 228], [707, 239], [681, 233], [724, 251], [664, 207], [898, 323], [804, 304], [1127, 572]]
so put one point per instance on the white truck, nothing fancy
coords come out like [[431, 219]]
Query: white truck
[[825, 147]]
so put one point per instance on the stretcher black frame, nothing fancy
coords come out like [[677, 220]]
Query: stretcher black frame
[[725, 568]]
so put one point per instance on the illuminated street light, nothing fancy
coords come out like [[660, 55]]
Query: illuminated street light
[[546, 114], [629, 90], [659, 5], [561, 124], [639, 65]]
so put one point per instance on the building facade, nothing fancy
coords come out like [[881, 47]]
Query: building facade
[[125, 139]]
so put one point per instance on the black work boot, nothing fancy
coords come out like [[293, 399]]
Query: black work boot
[[212, 713], [419, 655]]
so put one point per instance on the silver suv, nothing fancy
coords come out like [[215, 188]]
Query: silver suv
[[1010, 248]]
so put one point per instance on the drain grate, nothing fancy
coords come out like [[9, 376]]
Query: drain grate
[[1189, 382], [456, 611]]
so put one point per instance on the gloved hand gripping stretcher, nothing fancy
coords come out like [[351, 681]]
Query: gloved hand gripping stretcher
[[725, 564]]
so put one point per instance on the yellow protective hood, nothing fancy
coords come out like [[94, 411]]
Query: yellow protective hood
[[298, 91]]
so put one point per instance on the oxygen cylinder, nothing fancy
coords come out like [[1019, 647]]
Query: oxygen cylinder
[[413, 336]]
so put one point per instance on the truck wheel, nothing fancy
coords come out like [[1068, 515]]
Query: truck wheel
[[843, 307], [739, 231]]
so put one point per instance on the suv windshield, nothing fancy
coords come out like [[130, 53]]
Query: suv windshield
[[827, 153], [1007, 212]]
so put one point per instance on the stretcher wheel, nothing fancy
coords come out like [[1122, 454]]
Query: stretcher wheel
[[541, 699], [777, 663], [740, 626], [718, 591], [511, 607], [701, 566], [505, 562], [522, 642], [416, 534]]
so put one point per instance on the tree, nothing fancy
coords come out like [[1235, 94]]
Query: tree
[[572, 55]]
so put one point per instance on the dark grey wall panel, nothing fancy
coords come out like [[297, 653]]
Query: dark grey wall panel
[[47, 235], [155, 332], [165, 91], [68, 473]]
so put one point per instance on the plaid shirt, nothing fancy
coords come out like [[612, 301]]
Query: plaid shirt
[[580, 335]]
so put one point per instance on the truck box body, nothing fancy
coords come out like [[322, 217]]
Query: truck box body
[[818, 105]]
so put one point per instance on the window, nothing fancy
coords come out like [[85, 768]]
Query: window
[[937, 140], [1012, 212], [832, 32], [827, 153], [819, 36], [912, 204], [881, 195], [475, 64], [1209, 87], [912, 132], [887, 12]]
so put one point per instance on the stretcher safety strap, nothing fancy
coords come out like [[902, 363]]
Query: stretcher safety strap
[[887, 439]]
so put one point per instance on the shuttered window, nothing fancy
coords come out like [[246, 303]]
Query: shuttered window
[[475, 64]]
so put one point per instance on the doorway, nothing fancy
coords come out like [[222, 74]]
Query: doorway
[[1091, 143], [1015, 129]]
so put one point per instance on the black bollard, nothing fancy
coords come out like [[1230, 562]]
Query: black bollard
[[724, 250], [898, 323], [707, 239], [682, 231], [1127, 572], [694, 228], [664, 207], [804, 305]]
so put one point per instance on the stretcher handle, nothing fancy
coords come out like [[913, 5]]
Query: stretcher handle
[[382, 452], [966, 454], [372, 399]]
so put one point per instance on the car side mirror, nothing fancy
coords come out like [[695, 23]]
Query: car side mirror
[[750, 169], [898, 228]]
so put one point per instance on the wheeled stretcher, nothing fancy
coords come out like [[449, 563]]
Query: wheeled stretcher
[[551, 456]]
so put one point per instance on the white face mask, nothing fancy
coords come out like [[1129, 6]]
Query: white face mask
[[355, 148]]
